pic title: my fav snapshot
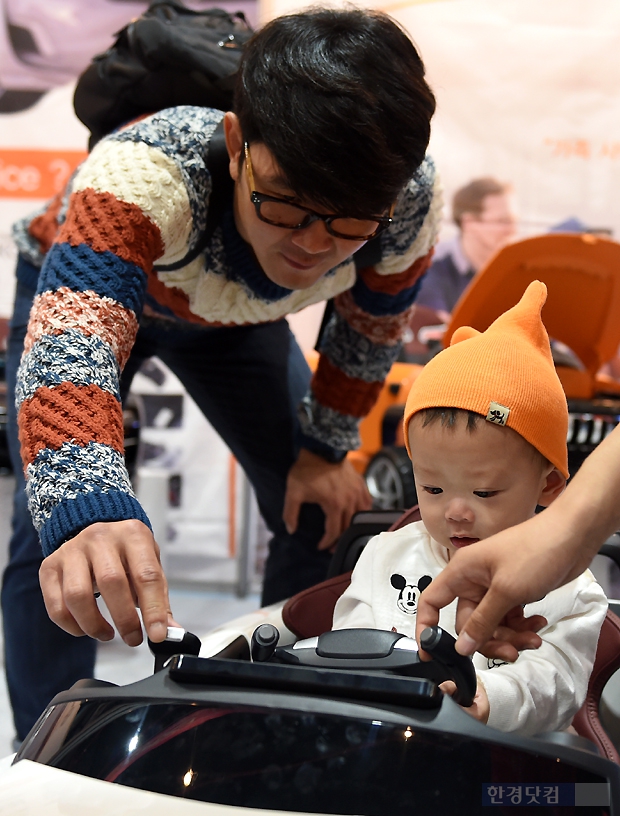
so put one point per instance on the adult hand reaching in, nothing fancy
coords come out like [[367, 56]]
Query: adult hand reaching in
[[121, 561], [492, 579]]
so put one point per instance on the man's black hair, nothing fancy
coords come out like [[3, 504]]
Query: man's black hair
[[340, 100]]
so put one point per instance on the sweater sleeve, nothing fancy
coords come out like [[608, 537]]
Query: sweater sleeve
[[130, 203], [364, 335], [545, 687]]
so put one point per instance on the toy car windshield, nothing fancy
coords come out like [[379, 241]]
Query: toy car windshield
[[309, 755]]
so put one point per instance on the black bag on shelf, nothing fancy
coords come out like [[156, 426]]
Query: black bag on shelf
[[170, 55]]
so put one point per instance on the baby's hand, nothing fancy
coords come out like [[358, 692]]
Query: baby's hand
[[479, 709]]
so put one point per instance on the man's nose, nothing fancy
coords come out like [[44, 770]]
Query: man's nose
[[313, 239], [459, 510]]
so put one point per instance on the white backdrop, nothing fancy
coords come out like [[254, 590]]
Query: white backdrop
[[527, 91]]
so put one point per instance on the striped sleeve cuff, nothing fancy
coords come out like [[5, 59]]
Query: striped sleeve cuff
[[76, 485], [72, 516], [322, 449], [327, 428]]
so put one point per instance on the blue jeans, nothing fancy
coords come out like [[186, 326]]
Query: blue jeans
[[248, 381]]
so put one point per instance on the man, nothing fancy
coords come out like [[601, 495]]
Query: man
[[327, 149], [482, 211]]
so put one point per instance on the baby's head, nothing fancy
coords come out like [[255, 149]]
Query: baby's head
[[485, 426]]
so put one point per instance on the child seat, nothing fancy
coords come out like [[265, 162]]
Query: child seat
[[310, 613]]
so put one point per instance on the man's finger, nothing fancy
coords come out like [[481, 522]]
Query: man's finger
[[482, 622], [501, 650], [150, 586], [507, 648], [533, 623], [342, 520], [360, 502], [464, 608], [524, 639], [290, 514], [116, 590], [77, 591], [50, 579], [333, 528], [429, 604]]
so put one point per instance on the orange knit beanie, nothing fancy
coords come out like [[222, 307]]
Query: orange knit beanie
[[506, 374]]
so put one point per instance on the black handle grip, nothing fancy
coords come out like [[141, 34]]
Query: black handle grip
[[177, 641], [264, 641], [459, 668]]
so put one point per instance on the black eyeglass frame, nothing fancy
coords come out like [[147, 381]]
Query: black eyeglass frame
[[258, 199]]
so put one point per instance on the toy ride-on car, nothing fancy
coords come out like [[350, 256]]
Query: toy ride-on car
[[275, 712], [582, 275], [289, 732]]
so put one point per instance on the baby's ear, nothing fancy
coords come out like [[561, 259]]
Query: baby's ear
[[555, 483]]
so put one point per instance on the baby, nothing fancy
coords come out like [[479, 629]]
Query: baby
[[485, 426]]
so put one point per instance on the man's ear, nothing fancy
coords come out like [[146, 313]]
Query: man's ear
[[553, 486], [234, 142]]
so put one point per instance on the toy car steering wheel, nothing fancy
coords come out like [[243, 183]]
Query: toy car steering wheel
[[374, 650]]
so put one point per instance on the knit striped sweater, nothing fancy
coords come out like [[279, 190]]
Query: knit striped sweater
[[142, 197]]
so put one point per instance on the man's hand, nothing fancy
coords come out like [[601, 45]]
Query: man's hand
[[120, 560], [514, 633], [338, 489], [492, 578]]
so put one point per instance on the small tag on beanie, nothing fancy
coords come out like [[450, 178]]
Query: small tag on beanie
[[498, 414]]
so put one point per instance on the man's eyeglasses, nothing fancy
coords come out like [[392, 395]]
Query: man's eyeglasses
[[282, 213]]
